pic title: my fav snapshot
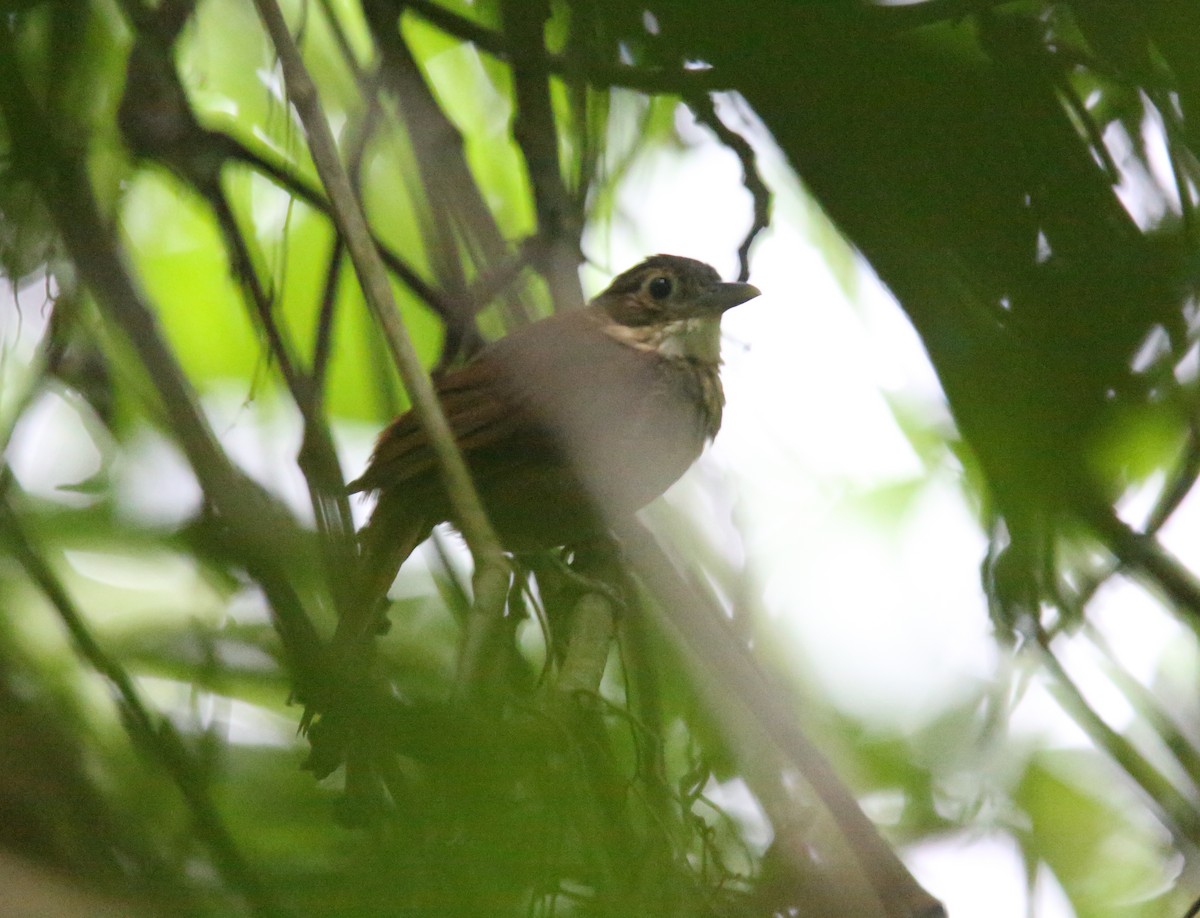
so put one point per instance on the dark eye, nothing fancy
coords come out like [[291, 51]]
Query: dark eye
[[660, 288]]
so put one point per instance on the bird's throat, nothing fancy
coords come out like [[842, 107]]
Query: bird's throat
[[696, 339]]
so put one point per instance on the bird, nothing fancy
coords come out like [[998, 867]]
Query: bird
[[566, 424]]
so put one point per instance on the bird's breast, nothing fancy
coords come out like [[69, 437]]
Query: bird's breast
[[630, 420]]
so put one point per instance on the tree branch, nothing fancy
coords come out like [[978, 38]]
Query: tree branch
[[148, 731], [559, 224], [260, 530], [491, 571], [751, 712], [1177, 812], [705, 111]]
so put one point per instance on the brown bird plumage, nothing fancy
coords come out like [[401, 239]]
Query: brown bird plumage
[[571, 421]]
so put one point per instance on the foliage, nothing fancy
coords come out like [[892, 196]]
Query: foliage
[[1021, 175]]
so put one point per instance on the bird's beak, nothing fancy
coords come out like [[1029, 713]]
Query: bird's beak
[[718, 298]]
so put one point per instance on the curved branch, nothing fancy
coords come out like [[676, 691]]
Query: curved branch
[[705, 111]]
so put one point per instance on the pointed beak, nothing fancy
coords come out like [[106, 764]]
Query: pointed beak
[[718, 298]]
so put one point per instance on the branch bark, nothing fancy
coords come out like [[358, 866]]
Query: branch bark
[[757, 722], [491, 570]]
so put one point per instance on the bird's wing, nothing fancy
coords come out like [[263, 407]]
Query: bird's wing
[[483, 409]]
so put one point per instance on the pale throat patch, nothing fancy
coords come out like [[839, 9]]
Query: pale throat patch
[[697, 338]]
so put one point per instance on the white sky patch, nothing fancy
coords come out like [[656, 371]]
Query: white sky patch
[[984, 877], [53, 449]]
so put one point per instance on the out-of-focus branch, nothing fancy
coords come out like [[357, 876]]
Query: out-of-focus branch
[[317, 457], [256, 527], [147, 730], [460, 220], [676, 82], [752, 713], [453, 209], [279, 345], [157, 122], [1177, 812], [491, 571], [1178, 485], [1143, 555], [1148, 707], [559, 224]]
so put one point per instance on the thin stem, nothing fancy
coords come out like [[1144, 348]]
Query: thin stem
[[705, 111], [1178, 813], [491, 571]]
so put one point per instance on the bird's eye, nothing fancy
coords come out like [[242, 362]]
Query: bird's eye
[[660, 288]]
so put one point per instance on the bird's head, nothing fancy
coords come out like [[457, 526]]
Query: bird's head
[[671, 305]]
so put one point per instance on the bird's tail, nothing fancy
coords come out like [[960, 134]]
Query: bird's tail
[[392, 534]]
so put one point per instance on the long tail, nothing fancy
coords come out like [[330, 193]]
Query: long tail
[[392, 534], [384, 543]]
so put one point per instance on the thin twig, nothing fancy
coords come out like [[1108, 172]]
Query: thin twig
[[323, 338], [317, 457], [705, 111], [1178, 813], [491, 571], [280, 173], [1148, 708], [459, 217], [242, 263], [157, 121]]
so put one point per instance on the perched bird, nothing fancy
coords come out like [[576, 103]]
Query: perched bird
[[565, 424]]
